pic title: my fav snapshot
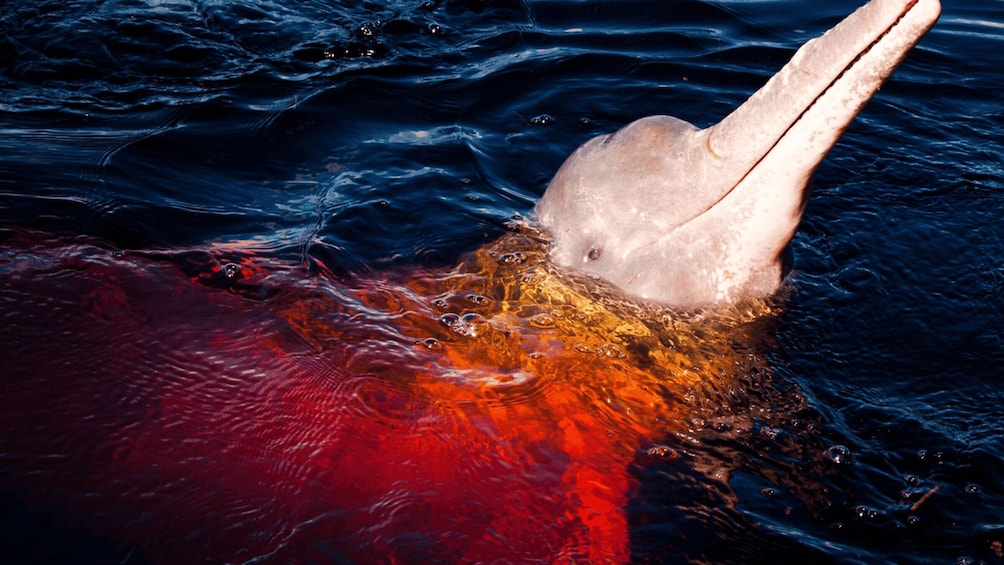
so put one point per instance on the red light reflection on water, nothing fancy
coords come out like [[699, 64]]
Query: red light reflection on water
[[432, 417]]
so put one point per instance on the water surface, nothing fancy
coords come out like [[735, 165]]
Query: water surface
[[342, 141]]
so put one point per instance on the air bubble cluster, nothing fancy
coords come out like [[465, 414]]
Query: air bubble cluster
[[469, 325], [840, 455]]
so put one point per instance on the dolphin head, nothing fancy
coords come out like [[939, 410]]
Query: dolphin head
[[702, 217]]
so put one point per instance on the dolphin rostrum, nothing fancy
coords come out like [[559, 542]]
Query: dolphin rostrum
[[702, 217]]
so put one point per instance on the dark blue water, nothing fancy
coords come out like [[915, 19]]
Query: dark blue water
[[362, 136]]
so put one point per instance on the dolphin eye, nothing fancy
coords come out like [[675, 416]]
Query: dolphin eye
[[594, 254]]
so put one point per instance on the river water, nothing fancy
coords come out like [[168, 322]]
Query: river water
[[335, 142]]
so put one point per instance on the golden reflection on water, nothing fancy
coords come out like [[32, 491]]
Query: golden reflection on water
[[546, 360]]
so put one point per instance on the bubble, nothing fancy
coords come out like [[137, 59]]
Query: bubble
[[542, 321], [542, 120], [768, 492], [478, 299], [663, 452], [366, 29], [911, 480], [912, 520], [865, 513], [232, 271], [449, 319], [475, 320], [435, 29], [721, 427], [431, 343], [514, 258], [611, 350], [972, 489], [594, 254], [468, 325], [839, 455], [771, 433]]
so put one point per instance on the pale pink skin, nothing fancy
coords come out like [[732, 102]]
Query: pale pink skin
[[701, 218]]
